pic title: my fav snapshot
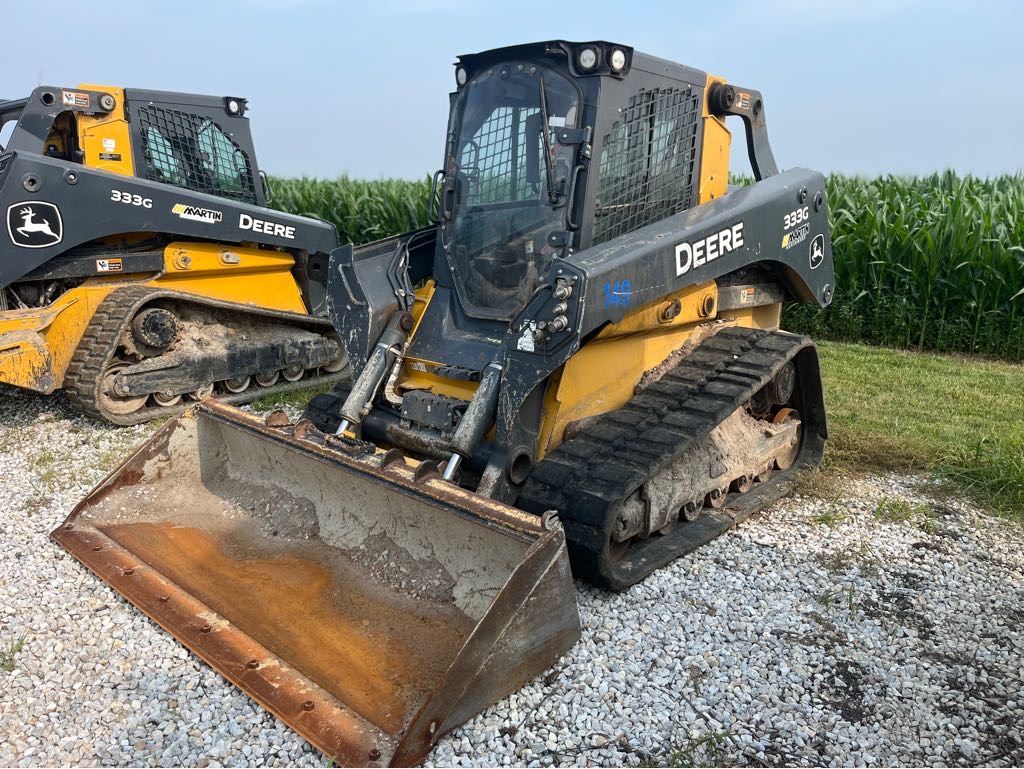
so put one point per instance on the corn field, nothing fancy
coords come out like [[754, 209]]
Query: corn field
[[362, 211], [931, 263]]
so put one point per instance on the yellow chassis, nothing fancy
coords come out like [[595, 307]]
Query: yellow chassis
[[37, 343]]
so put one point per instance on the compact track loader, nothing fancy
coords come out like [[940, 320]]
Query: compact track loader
[[139, 266], [579, 363]]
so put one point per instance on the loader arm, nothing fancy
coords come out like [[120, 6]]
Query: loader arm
[[89, 212]]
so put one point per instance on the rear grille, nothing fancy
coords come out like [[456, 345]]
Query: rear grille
[[193, 152], [648, 161]]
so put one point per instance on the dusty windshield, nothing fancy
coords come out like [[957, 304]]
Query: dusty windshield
[[504, 188]]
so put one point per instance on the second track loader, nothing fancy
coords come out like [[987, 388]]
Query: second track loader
[[579, 364], [140, 269]]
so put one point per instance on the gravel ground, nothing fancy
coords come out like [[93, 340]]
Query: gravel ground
[[815, 634]]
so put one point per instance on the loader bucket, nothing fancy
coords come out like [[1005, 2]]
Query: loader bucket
[[369, 604]]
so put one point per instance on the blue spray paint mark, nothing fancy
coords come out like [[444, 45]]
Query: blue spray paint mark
[[617, 294]]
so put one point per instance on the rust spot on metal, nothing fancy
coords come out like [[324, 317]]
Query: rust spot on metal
[[277, 418], [302, 428], [373, 649], [425, 471], [392, 458]]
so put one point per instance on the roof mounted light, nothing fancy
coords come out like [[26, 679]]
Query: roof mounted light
[[587, 58], [617, 60], [461, 76], [234, 106]]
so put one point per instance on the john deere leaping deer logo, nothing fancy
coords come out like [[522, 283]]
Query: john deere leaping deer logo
[[817, 251], [34, 224]]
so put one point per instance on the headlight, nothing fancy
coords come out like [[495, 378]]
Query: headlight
[[617, 60], [461, 76], [587, 58]]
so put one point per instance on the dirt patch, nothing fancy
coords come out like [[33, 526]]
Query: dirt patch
[[421, 579], [846, 691], [699, 335], [275, 512], [896, 607]]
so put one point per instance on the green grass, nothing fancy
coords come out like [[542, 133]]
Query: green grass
[[830, 517], [841, 560], [8, 654], [294, 398], [896, 410], [831, 600], [48, 470], [709, 750], [899, 510]]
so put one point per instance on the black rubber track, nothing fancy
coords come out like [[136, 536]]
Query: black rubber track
[[101, 338], [587, 478]]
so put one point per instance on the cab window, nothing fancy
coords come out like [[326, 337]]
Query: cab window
[[223, 159]]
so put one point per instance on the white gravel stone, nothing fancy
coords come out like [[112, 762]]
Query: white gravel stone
[[786, 641]]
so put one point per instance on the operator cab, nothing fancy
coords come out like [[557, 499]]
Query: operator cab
[[510, 182], [552, 147], [200, 143]]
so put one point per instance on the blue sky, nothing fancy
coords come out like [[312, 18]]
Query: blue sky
[[858, 86]]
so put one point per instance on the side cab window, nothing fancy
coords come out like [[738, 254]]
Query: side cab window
[[223, 159]]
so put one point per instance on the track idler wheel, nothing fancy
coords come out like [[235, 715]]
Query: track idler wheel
[[743, 484], [716, 497], [691, 511], [112, 401], [292, 373], [268, 379], [237, 385], [161, 399], [785, 461], [336, 365], [201, 393]]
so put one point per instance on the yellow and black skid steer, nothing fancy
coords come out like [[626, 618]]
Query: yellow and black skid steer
[[578, 365], [140, 268]]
